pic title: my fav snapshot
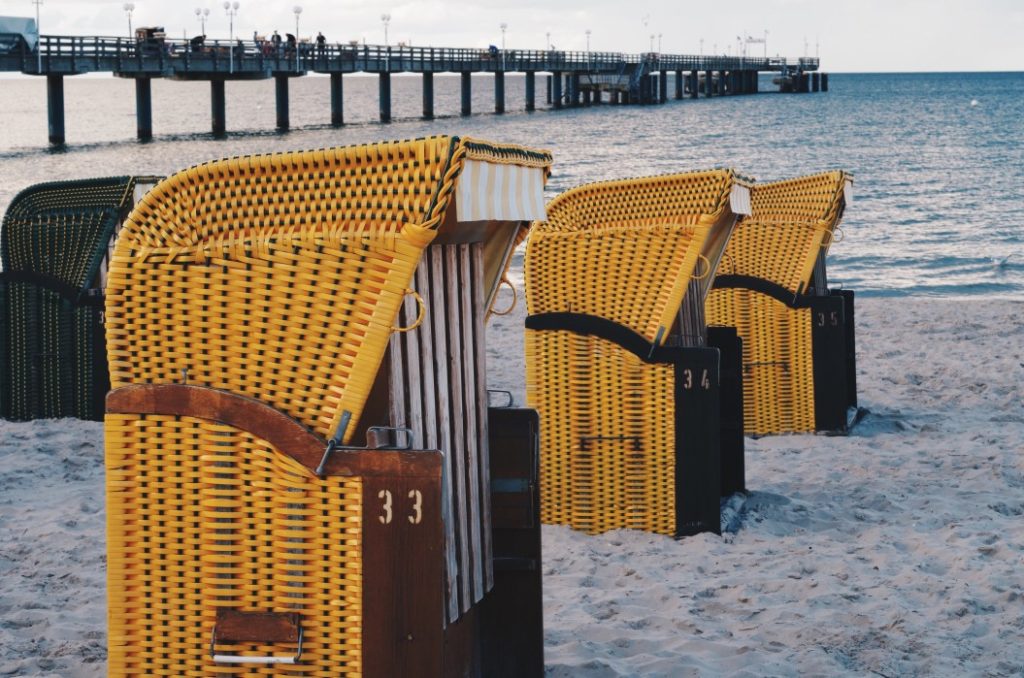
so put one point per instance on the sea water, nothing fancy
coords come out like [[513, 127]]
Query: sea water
[[938, 159]]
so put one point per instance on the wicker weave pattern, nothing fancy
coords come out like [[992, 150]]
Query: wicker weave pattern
[[791, 226], [624, 250], [202, 515], [609, 436]]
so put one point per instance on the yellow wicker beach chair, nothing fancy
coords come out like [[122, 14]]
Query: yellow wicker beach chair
[[250, 307], [798, 344], [617, 364]]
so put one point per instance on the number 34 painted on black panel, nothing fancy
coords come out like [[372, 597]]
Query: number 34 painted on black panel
[[387, 509], [705, 381]]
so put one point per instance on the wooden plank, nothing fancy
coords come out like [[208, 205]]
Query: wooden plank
[[454, 352], [403, 570], [470, 398], [435, 253], [396, 377], [413, 374], [264, 627], [480, 297]]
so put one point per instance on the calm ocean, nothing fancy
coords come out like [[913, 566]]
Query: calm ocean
[[938, 158]]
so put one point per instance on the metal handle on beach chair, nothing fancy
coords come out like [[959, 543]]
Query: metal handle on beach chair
[[707, 268], [515, 297], [256, 627], [420, 316]]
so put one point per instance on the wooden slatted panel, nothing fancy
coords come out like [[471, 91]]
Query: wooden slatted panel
[[439, 391]]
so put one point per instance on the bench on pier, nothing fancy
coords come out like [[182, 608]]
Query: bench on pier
[[799, 371], [55, 244], [628, 384], [297, 436]]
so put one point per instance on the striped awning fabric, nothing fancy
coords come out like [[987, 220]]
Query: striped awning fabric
[[506, 192]]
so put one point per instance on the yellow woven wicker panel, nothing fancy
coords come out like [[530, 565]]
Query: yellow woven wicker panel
[[607, 434], [778, 363], [792, 222], [624, 250], [202, 515]]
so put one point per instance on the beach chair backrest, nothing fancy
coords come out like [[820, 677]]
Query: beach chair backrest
[[789, 230]]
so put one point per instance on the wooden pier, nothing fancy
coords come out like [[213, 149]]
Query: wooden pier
[[573, 78]]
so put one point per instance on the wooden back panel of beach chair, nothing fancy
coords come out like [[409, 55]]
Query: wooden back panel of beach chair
[[270, 287], [53, 246], [771, 275], [606, 278]]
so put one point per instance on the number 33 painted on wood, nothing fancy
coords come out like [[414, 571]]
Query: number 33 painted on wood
[[417, 507]]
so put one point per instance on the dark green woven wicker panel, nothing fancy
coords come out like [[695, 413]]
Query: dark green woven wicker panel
[[52, 351]]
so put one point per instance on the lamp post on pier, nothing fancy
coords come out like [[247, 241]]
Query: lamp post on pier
[[547, 37], [129, 7], [588, 49], [652, 42], [201, 14], [298, 10], [504, 27], [231, 9], [39, 46], [659, 43], [385, 19]]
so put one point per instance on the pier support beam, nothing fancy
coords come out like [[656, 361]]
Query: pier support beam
[[663, 86], [679, 84], [824, 82], [217, 107], [709, 83], [55, 108], [815, 82], [384, 89], [531, 93], [143, 109], [337, 101], [556, 89], [281, 97], [587, 98], [467, 93], [428, 96], [694, 84], [576, 93], [499, 92]]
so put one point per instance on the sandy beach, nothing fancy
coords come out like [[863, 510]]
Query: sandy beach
[[896, 551]]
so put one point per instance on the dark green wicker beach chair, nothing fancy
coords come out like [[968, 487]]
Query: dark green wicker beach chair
[[54, 246]]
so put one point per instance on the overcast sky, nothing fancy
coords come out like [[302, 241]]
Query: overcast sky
[[856, 35]]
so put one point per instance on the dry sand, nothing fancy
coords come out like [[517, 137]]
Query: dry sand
[[897, 551]]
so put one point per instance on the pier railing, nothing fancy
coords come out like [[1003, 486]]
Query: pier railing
[[249, 58]]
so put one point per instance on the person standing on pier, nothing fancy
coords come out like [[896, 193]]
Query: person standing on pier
[[275, 39], [321, 43]]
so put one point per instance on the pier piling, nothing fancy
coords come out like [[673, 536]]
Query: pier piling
[[337, 101], [663, 86], [467, 93], [428, 96], [694, 84], [824, 82], [556, 93], [217, 107], [531, 93], [385, 97], [281, 97], [143, 109], [679, 84], [499, 92], [815, 82], [55, 108], [709, 83]]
